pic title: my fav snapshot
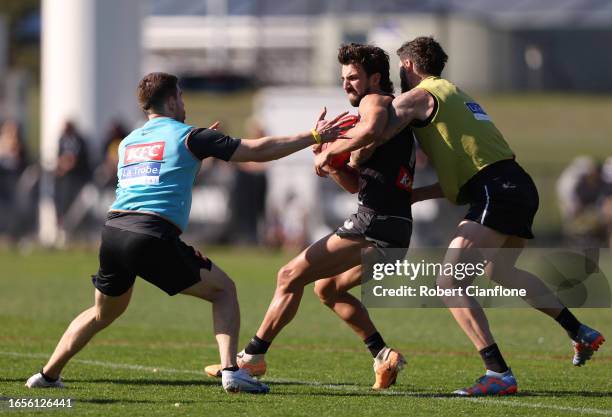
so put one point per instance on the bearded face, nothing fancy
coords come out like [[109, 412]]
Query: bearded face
[[405, 83], [355, 98]]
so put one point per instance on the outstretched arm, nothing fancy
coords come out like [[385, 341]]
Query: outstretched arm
[[270, 148], [274, 147]]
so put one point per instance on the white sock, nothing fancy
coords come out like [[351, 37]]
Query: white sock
[[497, 374]]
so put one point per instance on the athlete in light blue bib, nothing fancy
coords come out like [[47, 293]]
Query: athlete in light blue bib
[[157, 166], [156, 171]]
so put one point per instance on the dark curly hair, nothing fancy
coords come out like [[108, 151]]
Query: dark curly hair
[[371, 58], [426, 54]]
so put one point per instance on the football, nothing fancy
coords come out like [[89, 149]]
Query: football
[[347, 124]]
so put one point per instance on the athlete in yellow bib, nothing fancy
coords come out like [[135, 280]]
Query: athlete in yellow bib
[[460, 140], [475, 166]]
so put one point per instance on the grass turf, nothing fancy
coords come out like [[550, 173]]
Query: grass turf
[[150, 360]]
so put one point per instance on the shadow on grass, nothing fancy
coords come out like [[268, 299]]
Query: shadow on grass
[[168, 382], [162, 382], [364, 393], [105, 401], [360, 393], [311, 384], [343, 389]]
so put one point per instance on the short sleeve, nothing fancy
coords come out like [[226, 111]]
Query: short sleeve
[[204, 143]]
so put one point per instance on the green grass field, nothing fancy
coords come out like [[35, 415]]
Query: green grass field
[[150, 360]]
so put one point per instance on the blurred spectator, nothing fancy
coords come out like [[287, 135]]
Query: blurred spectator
[[606, 206], [247, 201], [72, 171], [89, 205], [248, 195], [606, 176], [581, 191], [288, 226], [25, 204], [106, 173], [13, 152], [12, 163]]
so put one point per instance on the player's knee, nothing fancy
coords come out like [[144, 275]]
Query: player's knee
[[327, 292], [105, 317], [228, 288], [506, 276], [287, 278], [223, 288], [106, 313]]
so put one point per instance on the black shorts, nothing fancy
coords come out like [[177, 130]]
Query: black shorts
[[166, 262], [503, 197], [383, 231]]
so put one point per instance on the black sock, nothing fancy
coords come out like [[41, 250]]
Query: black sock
[[375, 343], [257, 346], [47, 378], [231, 368], [569, 322], [493, 359]]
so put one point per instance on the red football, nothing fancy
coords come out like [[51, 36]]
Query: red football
[[347, 123]]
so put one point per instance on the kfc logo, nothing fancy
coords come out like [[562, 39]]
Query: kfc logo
[[146, 152]]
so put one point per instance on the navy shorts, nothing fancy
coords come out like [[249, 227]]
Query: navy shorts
[[166, 262], [503, 197]]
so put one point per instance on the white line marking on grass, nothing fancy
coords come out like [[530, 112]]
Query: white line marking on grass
[[511, 403], [107, 364], [174, 371], [581, 410], [340, 387]]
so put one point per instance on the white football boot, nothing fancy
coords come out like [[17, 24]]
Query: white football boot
[[242, 381], [38, 381]]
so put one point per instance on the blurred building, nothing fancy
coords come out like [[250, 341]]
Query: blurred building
[[493, 44]]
